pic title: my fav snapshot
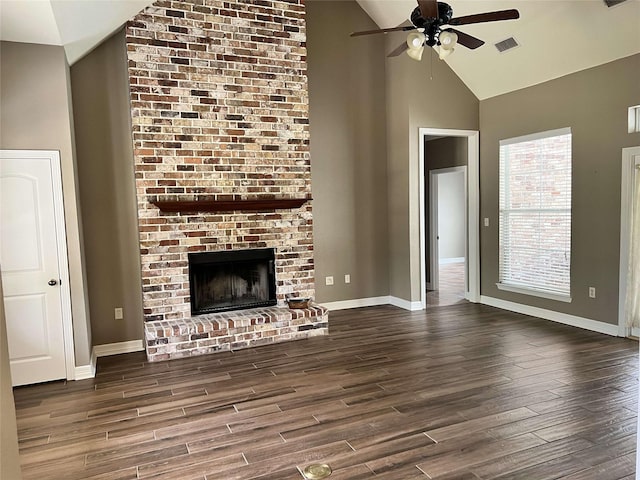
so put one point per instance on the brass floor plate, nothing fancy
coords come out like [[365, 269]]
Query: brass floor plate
[[316, 471]]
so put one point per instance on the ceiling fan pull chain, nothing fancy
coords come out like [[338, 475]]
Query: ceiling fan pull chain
[[431, 64]]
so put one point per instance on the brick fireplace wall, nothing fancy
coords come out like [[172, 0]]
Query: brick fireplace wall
[[219, 111]]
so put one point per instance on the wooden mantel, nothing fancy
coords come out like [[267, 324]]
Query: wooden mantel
[[196, 206]]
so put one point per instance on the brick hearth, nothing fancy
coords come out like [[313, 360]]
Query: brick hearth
[[235, 330], [219, 112]]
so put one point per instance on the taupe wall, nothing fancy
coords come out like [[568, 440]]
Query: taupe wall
[[445, 153], [425, 94], [9, 459], [36, 115], [440, 153], [348, 151], [594, 104], [104, 149], [398, 160]]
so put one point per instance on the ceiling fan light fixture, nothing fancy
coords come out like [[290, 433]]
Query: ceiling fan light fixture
[[415, 42], [416, 53], [448, 40], [444, 52], [446, 43]]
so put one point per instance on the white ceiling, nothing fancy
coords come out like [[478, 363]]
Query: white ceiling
[[556, 37]]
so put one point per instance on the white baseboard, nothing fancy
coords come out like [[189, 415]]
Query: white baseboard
[[89, 371], [356, 303], [117, 348], [445, 261], [372, 302], [406, 304], [564, 318], [85, 371]]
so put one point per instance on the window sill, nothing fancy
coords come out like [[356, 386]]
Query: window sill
[[533, 293]]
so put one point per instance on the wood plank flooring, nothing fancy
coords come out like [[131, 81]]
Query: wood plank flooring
[[462, 392]]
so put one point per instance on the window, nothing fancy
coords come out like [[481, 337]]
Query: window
[[535, 214]]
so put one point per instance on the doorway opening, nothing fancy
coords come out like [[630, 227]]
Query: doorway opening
[[470, 140], [447, 238]]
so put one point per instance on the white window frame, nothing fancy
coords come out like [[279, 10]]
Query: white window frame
[[527, 290]]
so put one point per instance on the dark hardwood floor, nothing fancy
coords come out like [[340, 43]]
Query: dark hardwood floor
[[461, 392]]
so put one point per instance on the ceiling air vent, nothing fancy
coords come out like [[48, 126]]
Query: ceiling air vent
[[613, 3], [507, 44]]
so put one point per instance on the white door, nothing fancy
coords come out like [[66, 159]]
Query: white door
[[30, 234]]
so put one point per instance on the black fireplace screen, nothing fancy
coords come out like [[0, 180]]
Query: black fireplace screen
[[232, 280]]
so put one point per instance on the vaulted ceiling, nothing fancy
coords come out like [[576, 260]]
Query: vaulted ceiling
[[555, 37]]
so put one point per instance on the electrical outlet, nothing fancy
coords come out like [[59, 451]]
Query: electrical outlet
[[486, 221], [118, 314], [328, 280], [347, 278], [592, 292]]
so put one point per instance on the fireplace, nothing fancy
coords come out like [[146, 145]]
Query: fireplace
[[232, 280], [229, 141]]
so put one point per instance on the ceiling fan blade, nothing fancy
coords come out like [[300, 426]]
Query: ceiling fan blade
[[383, 30], [467, 40], [486, 17], [400, 50], [428, 8]]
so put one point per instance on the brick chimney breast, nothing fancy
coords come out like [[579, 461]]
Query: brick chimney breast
[[219, 111]]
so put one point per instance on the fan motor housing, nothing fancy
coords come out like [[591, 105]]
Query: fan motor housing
[[445, 13], [431, 25]]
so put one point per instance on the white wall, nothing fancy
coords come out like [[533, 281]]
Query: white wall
[[451, 217]]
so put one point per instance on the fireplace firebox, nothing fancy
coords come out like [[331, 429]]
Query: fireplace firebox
[[232, 280]]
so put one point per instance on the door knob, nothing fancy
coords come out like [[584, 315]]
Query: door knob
[[53, 282]]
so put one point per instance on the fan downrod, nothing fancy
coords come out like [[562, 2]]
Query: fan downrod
[[432, 26], [445, 13]]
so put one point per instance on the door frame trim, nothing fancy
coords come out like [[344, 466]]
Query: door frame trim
[[61, 244], [626, 197], [473, 210], [434, 265]]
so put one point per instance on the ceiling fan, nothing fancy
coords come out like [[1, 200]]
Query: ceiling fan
[[432, 21]]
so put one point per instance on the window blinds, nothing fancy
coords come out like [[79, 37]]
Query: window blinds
[[535, 212]]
